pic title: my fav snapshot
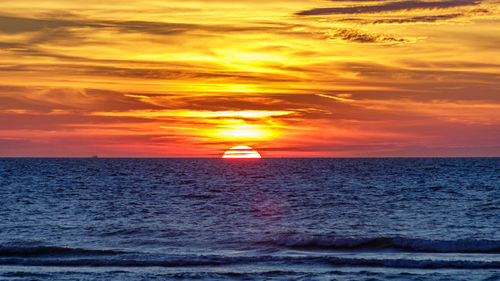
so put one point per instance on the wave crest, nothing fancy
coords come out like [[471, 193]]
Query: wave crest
[[389, 243], [225, 260], [40, 251]]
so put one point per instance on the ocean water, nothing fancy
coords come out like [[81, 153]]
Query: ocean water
[[267, 219]]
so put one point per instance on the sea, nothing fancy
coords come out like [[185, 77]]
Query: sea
[[250, 219]]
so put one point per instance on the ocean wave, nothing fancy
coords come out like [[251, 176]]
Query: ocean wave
[[228, 260], [40, 251], [389, 243], [412, 263]]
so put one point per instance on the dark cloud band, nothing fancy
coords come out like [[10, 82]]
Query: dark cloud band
[[389, 7], [421, 19]]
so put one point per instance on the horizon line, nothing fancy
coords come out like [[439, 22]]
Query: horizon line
[[285, 157]]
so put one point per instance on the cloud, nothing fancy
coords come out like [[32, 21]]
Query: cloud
[[359, 0], [75, 29], [46, 99], [16, 25], [13, 25], [357, 36], [389, 7], [340, 97], [420, 19], [186, 72], [430, 19], [196, 114]]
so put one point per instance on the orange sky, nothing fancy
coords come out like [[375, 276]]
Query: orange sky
[[290, 78]]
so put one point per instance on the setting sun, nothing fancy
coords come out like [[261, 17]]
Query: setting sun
[[241, 151]]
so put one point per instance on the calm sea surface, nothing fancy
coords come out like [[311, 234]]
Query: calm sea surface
[[267, 219]]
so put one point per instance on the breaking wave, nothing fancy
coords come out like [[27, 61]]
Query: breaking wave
[[41, 251], [124, 261], [389, 243]]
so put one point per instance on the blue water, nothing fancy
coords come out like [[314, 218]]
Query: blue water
[[267, 219]]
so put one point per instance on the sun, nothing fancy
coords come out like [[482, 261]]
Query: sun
[[241, 151]]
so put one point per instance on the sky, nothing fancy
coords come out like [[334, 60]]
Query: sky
[[290, 78]]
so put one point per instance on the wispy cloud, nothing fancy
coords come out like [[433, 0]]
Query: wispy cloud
[[195, 114], [358, 36], [339, 97], [12, 25], [421, 19], [431, 18], [16, 25], [389, 7]]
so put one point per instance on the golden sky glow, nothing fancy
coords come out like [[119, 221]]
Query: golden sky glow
[[291, 78]]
